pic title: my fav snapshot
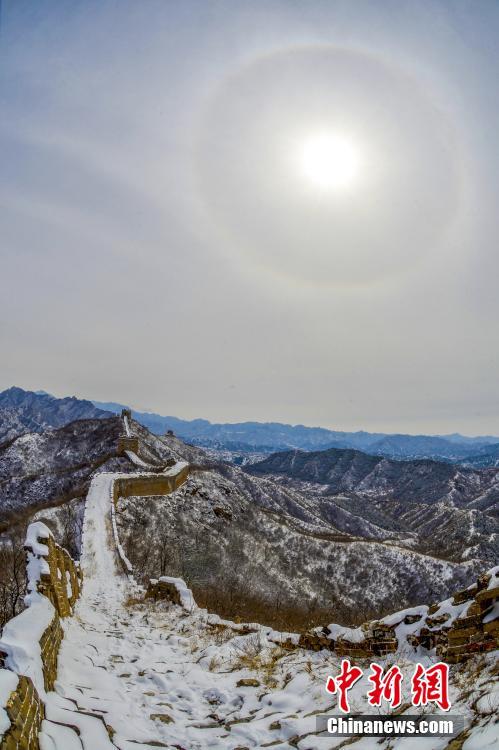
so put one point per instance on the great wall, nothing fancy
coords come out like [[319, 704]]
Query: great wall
[[45, 703]]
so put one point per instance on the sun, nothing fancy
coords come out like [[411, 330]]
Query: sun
[[330, 161]]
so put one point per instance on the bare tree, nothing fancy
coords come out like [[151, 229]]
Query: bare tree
[[12, 575]]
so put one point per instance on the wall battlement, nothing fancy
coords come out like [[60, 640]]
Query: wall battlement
[[30, 642], [128, 443], [148, 485]]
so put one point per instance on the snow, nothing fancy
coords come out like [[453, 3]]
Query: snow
[[397, 617], [157, 674], [353, 635], [8, 683], [127, 426], [483, 738], [137, 662], [92, 731], [119, 548], [37, 565], [185, 593], [55, 736], [34, 533], [136, 460], [20, 640], [493, 614], [176, 469], [494, 575]]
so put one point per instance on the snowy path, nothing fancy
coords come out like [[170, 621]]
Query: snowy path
[[109, 661], [162, 677]]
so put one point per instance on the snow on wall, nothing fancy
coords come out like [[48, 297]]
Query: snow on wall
[[143, 484], [459, 627], [177, 470], [37, 565], [51, 571], [172, 588], [8, 683], [125, 562], [126, 425], [20, 641], [29, 642], [136, 459]]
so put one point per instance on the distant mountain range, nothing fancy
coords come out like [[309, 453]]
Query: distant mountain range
[[364, 532], [269, 437], [26, 411]]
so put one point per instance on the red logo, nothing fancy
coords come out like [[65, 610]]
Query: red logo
[[343, 683], [431, 686], [386, 686], [427, 685]]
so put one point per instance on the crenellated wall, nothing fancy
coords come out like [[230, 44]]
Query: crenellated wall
[[147, 485], [25, 712], [30, 642], [128, 443], [62, 570], [477, 630], [143, 485]]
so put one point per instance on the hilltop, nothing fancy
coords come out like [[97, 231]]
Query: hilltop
[[26, 411]]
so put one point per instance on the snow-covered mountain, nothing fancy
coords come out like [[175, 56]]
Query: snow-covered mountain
[[451, 511], [420, 480], [268, 437], [26, 411], [251, 543], [45, 469], [378, 535]]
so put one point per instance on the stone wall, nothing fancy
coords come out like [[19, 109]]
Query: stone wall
[[143, 485], [158, 589], [174, 590], [62, 569], [371, 639], [50, 643], [458, 628], [25, 711], [54, 584], [128, 443], [148, 485], [478, 630]]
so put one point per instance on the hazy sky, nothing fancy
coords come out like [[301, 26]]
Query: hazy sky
[[166, 242]]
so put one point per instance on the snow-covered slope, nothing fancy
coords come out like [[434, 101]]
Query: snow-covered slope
[[251, 544], [444, 510], [39, 470], [161, 675], [26, 411]]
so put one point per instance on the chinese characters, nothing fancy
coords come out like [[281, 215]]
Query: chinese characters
[[427, 685]]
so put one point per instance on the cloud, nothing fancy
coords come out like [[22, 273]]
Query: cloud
[[159, 246]]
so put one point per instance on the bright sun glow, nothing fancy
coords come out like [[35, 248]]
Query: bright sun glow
[[330, 161]]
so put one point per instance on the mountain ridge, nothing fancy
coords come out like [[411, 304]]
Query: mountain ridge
[[269, 437], [29, 411]]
